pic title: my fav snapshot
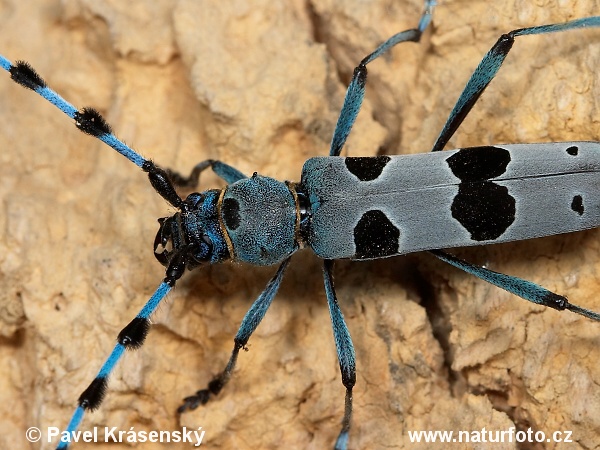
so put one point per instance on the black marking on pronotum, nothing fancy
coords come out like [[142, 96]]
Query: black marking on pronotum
[[231, 213], [573, 150], [366, 168], [26, 76], [479, 163], [577, 205], [91, 122], [484, 208], [133, 335], [375, 236], [92, 397]]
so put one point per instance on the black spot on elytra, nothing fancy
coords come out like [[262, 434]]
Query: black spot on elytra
[[366, 168], [375, 236], [577, 205], [479, 163], [573, 150], [484, 208], [231, 213]]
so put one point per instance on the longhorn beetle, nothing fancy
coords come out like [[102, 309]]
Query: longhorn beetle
[[486, 203]]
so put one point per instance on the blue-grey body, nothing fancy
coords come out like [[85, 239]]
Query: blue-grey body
[[555, 188], [375, 207], [253, 212]]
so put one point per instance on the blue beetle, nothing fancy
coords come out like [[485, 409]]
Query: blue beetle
[[263, 221]]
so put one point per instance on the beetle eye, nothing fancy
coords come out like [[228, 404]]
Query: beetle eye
[[203, 250], [194, 199]]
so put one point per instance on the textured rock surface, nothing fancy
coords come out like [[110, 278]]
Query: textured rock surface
[[260, 88]]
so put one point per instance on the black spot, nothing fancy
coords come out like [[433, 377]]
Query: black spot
[[485, 209], [367, 168], [91, 122], [577, 205], [375, 236], [133, 335], [573, 150], [231, 213], [91, 398], [479, 163], [26, 76]]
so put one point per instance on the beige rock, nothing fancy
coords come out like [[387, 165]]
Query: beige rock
[[260, 87]]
